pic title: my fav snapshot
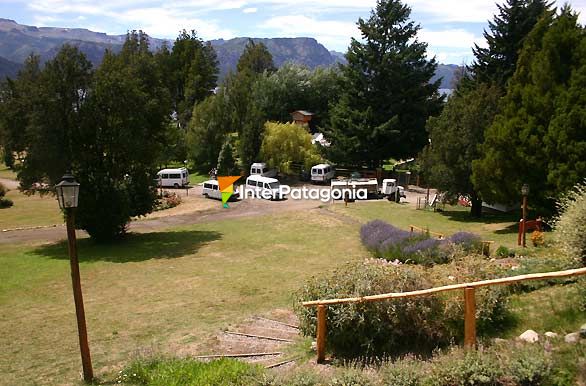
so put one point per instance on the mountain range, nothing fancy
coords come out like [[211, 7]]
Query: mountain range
[[18, 41]]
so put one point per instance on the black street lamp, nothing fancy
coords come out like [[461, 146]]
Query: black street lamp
[[525, 193], [68, 196]]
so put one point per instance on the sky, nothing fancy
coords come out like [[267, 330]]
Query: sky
[[450, 27]]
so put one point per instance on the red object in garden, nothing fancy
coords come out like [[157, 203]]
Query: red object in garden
[[529, 225]]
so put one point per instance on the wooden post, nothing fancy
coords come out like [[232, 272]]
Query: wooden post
[[86, 360], [321, 333], [524, 220], [469, 318]]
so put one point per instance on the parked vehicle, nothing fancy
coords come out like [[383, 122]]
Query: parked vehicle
[[211, 189], [264, 187], [370, 185], [322, 173], [261, 169], [176, 178], [392, 191]]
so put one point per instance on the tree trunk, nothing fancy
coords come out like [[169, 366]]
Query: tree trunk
[[476, 210]]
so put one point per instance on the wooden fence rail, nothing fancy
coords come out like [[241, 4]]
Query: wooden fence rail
[[469, 302]]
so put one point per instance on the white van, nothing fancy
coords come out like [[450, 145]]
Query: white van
[[211, 189], [322, 173], [176, 178], [264, 187], [261, 169]]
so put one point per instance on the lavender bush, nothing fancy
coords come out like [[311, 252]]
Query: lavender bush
[[391, 243], [468, 241]]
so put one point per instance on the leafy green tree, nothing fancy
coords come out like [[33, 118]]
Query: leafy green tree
[[455, 137], [107, 127], [496, 63], [256, 59], [209, 125], [295, 87], [387, 95], [226, 160], [193, 66], [17, 99], [287, 143], [538, 138]]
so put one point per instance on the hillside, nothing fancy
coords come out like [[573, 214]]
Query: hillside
[[18, 41], [8, 68]]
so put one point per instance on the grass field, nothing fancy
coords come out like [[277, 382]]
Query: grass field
[[167, 290], [171, 291], [501, 229], [30, 211]]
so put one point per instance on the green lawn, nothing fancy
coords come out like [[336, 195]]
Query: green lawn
[[167, 291], [501, 229], [196, 178], [30, 211]]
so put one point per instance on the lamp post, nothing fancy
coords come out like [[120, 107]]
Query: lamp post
[[525, 193], [68, 195]]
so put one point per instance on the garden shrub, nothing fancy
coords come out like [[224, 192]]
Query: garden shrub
[[373, 328], [524, 365], [469, 242], [169, 200], [570, 225], [537, 238], [491, 302], [399, 325], [6, 203], [503, 252], [391, 243]]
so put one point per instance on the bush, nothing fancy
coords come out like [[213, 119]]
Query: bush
[[469, 242], [398, 325], [179, 372], [5, 203], [3, 190], [570, 227], [386, 241], [373, 328], [503, 252], [538, 238], [524, 365], [169, 200]]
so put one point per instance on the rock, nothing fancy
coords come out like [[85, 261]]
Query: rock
[[572, 338], [550, 334], [500, 341], [529, 336], [583, 331], [314, 346]]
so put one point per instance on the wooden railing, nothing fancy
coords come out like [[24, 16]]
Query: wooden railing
[[469, 303]]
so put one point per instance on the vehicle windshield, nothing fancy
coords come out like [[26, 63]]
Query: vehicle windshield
[[274, 185]]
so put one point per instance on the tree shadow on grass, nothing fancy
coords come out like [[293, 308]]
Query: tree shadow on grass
[[487, 218], [134, 247]]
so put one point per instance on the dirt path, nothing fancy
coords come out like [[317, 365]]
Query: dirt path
[[9, 184], [195, 209], [205, 211]]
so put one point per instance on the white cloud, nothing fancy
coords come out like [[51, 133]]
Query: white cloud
[[163, 22], [452, 38], [250, 10]]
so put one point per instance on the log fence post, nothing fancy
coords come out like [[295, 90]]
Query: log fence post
[[321, 333], [469, 318]]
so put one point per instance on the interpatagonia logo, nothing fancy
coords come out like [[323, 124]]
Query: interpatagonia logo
[[227, 188]]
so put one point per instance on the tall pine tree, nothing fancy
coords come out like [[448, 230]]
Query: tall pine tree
[[387, 96], [496, 63], [538, 138]]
